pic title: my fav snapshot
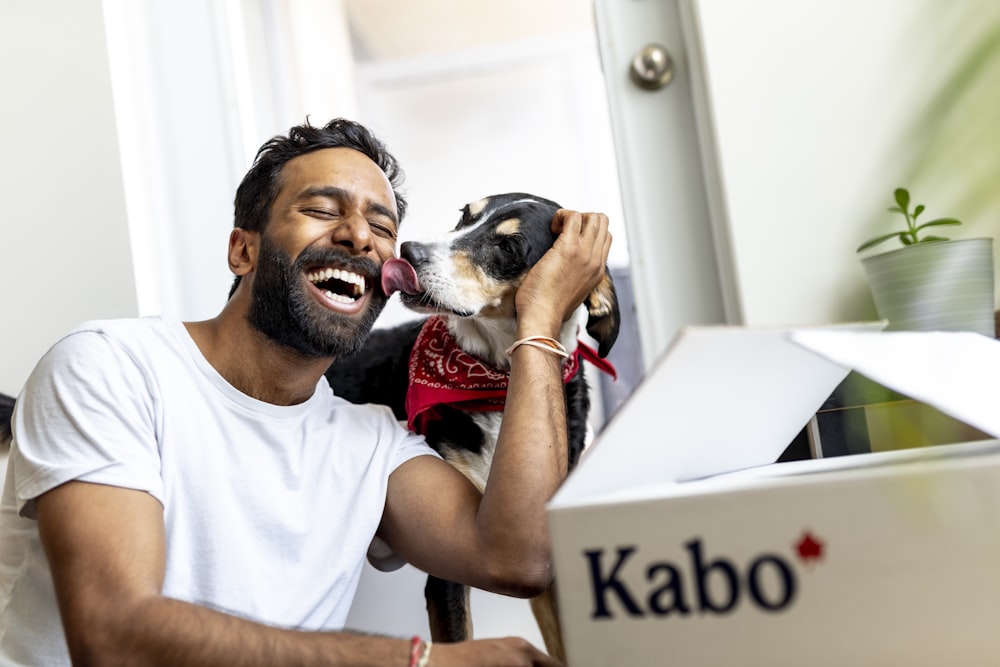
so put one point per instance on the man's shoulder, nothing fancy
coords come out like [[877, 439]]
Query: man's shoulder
[[123, 325], [125, 332], [372, 413], [100, 342]]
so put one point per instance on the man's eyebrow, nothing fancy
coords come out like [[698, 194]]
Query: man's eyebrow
[[333, 192]]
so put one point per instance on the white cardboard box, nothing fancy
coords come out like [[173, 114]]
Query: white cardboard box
[[663, 557]]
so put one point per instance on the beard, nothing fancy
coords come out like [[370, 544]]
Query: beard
[[282, 309]]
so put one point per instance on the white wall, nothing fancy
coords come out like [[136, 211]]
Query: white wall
[[64, 243], [199, 86], [808, 109]]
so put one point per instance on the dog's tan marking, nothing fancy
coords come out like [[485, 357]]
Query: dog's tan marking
[[489, 292], [504, 309], [602, 315], [465, 269], [600, 301], [476, 207], [468, 469], [509, 227]]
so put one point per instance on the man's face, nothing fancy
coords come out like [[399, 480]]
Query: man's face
[[315, 287]]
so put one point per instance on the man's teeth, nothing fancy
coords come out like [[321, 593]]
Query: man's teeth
[[339, 298], [337, 274]]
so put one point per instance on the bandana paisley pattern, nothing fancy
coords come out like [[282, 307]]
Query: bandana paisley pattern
[[441, 373]]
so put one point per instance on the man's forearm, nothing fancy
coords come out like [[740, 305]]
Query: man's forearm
[[529, 465], [164, 631]]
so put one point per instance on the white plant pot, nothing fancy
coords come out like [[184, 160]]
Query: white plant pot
[[938, 286]]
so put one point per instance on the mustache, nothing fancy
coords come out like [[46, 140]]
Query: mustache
[[331, 257]]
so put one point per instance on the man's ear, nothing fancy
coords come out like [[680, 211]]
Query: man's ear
[[243, 250]]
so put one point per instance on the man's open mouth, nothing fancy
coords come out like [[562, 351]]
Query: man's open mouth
[[338, 285]]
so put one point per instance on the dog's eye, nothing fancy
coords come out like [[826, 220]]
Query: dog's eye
[[508, 245]]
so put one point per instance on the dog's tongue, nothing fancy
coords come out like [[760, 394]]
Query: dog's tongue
[[398, 275]]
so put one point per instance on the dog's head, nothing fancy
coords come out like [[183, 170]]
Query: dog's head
[[474, 270]]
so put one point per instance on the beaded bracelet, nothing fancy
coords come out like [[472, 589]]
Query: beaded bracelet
[[425, 658], [542, 343]]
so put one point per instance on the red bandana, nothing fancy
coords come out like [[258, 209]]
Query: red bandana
[[442, 374]]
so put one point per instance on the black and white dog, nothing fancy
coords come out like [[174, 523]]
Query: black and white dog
[[446, 375]]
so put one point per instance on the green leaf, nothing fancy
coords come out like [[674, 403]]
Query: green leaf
[[903, 198], [911, 235], [940, 222], [878, 239]]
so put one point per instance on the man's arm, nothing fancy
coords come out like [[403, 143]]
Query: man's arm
[[434, 518], [106, 550]]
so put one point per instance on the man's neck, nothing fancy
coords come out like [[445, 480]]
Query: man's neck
[[253, 363]]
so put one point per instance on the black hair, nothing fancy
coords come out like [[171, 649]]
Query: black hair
[[259, 187]]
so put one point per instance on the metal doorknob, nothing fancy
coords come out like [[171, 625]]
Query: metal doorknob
[[652, 67]]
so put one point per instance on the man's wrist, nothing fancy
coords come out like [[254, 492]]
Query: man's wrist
[[544, 327], [545, 343]]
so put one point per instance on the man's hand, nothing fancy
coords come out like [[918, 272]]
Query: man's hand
[[507, 652], [556, 286]]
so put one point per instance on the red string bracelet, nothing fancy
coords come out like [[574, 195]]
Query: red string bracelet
[[416, 650]]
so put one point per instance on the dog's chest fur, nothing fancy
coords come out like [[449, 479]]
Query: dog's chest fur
[[475, 465]]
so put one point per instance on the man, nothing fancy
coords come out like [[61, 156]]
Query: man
[[193, 493]]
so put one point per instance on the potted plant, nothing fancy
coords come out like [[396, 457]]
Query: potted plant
[[932, 283]]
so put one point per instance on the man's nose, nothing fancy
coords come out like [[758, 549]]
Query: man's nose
[[353, 232]]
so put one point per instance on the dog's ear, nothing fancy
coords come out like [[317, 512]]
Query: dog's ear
[[603, 314]]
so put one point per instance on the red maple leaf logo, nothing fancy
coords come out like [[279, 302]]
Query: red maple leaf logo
[[810, 548]]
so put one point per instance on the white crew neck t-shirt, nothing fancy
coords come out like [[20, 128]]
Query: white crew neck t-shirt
[[269, 510]]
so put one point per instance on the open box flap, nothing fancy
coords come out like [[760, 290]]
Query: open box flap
[[721, 398], [956, 372], [967, 453]]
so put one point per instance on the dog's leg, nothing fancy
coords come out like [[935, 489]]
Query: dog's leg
[[6, 414], [546, 611], [448, 610]]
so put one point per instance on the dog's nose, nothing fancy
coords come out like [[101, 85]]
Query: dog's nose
[[415, 253]]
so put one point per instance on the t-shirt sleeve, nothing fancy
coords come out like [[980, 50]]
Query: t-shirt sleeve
[[380, 555], [410, 446], [86, 413]]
